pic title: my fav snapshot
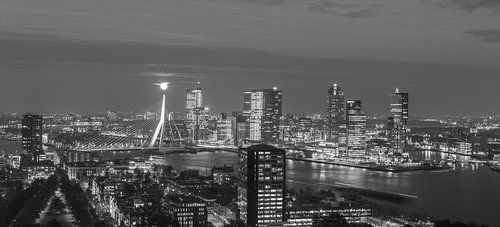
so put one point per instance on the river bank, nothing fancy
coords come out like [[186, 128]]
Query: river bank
[[394, 169]]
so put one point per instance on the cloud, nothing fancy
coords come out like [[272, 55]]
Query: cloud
[[161, 74], [486, 35], [468, 5], [26, 35], [267, 1], [178, 75], [327, 4], [360, 13], [350, 10]]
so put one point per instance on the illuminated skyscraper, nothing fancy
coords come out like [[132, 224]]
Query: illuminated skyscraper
[[195, 113], [263, 108], [32, 129], [261, 185], [397, 122], [240, 128], [356, 129], [335, 107], [194, 98]]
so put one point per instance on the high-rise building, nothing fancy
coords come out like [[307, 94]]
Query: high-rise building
[[397, 122], [195, 114], [356, 129], [335, 108], [261, 185], [342, 139], [263, 109], [240, 128], [32, 130]]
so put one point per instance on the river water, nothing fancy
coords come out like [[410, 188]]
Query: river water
[[10, 147], [468, 193]]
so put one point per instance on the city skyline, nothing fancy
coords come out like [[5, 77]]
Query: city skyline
[[180, 103], [249, 113]]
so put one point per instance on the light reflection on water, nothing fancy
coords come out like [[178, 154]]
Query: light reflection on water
[[470, 193]]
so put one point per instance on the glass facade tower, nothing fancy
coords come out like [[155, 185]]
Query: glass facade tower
[[335, 111], [397, 122], [263, 108], [32, 129], [356, 129]]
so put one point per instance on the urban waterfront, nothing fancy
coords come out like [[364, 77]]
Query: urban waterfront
[[459, 194], [468, 194]]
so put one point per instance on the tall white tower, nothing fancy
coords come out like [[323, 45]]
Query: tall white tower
[[160, 129]]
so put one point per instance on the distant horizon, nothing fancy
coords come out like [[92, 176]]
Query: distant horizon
[[411, 117]]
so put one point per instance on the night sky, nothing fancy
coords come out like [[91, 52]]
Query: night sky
[[97, 55]]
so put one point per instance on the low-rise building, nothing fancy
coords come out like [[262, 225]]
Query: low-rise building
[[307, 216], [187, 210], [38, 170], [223, 174], [79, 170]]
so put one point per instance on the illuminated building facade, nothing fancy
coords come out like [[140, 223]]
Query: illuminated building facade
[[79, 156], [305, 124], [80, 170], [397, 122], [306, 217], [261, 185], [32, 130], [240, 128], [342, 139], [356, 129], [188, 210], [195, 114], [335, 108], [224, 130], [263, 109], [38, 170]]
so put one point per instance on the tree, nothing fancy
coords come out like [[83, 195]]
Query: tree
[[54, 223], [56, 205]]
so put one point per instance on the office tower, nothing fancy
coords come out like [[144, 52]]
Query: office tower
[[261, 185], [196, 114], [240, 128], [356, 129], [32, 135], [263, 109], [342, 139], [335, 107], [397, 122]]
